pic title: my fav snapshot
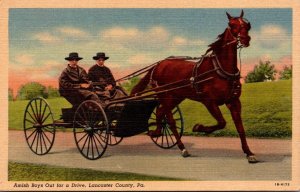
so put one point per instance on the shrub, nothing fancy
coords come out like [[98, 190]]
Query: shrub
[[286, 73], [31, 90], [262, 72]]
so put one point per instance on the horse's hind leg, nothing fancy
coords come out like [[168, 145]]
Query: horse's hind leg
[[216, 113], [235, 109], [165, 110], [172, 124]]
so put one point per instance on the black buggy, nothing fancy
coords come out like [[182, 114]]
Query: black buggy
[[94, 127]]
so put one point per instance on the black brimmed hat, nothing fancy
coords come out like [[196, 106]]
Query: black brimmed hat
[[100, 55], [73, 56]]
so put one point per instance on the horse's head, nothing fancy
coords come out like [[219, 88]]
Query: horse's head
[[239, 28]]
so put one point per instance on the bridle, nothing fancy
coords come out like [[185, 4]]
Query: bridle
[[237, 38]]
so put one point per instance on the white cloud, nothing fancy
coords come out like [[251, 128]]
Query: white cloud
[[24, 59], [45, 37], [136, 39], [72, 32], [271, 36], [119, 33], [139, 59], [179, 41], [156, 39]]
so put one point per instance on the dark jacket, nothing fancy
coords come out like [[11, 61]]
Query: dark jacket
[[102, 75], [71, 78]]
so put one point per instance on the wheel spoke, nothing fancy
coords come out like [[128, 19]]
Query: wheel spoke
[[170, 135], [89, 141], [46, 117], [175, 111], [90, 145], [84, 142], [81, 125], [44, 110], [31, 134], [168, 139], [31, 116], [27, 128], [82, 137], [46, 137], [40, 110], [34, 113], [37, 142], [39, 135], [45, 141], [48, 129], [84, 114], [166, 135], [37, 112], [97, 134], [30, 121], [41, 144], [33, 139], [96, 145]]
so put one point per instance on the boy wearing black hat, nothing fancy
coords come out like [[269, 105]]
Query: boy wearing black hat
[[74, 83], [102, 74]]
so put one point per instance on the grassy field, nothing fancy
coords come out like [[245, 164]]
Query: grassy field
[[266, 111], [35, 172]]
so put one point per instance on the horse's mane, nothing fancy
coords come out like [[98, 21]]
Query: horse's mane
[[215, 46]]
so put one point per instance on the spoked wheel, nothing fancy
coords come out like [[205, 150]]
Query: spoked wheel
[[91, 129], [167, 140], [38, 126], [113, 140]]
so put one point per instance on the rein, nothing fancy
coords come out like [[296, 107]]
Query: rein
[[138, 72]]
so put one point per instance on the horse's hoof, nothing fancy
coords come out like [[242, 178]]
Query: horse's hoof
[[252, 159], [185, 153], [155, 133], [197, 128]]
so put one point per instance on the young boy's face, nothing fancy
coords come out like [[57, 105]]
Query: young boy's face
[[73, 62], [100, 62]]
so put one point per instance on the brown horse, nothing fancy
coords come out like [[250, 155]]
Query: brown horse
[[224, 86]]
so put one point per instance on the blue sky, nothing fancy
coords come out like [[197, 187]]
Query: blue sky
[[40, 39]]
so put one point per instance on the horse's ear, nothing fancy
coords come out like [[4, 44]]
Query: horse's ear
[[242, 13], [229, 16]]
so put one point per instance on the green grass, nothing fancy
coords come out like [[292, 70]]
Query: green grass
[[17, 108], [266, 111], [35, 172]]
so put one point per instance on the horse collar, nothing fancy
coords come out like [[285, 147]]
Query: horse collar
[[221, 72]]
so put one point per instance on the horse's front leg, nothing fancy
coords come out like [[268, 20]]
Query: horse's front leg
[[235, 109], [172, 124], [215, 111]]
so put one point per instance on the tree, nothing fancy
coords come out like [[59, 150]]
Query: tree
[[31, 90], [262, 72], [128, 85], [52, 92], [286, 73]]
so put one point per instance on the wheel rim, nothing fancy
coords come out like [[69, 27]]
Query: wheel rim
[[113, 140], [167, 139], [38, 126], [91, 130]]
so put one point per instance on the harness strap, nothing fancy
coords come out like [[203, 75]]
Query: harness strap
[[152, 81], [195, 74], [220, 71]]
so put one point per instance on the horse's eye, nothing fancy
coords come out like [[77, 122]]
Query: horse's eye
[[249, 26]]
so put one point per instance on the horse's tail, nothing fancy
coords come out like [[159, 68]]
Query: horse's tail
[[142, 84]]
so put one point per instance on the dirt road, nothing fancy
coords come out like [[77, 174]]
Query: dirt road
[[213, 159]]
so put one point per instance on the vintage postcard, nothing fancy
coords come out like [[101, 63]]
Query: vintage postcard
[[117, 95]]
